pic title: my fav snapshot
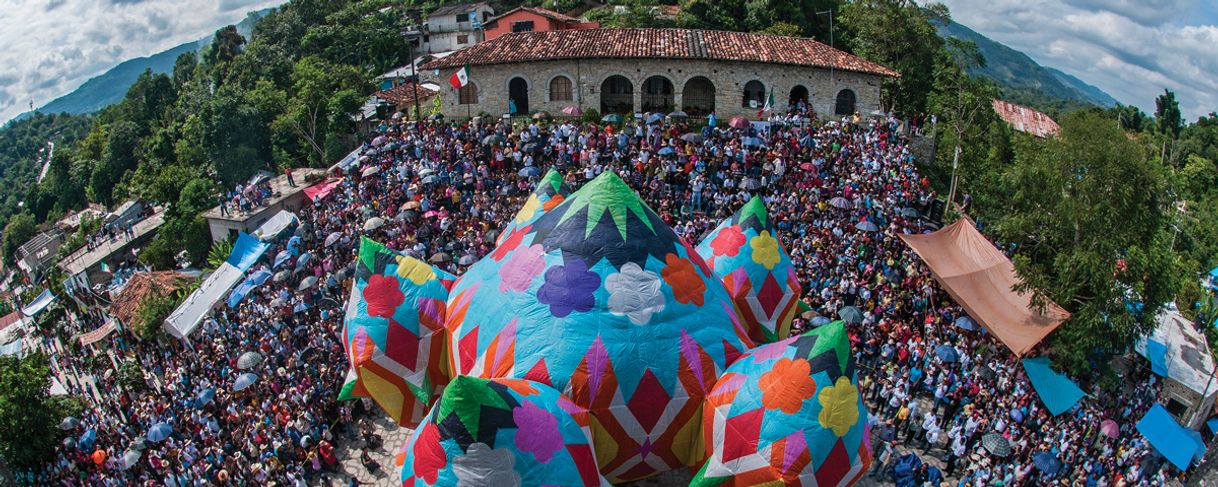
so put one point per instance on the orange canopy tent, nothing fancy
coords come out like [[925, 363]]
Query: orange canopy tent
[[980, 278]]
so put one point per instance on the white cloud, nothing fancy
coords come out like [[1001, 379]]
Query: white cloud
[[53, 46], [1133, 49]]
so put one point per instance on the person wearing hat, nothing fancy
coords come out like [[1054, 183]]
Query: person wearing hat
[[883, 453]]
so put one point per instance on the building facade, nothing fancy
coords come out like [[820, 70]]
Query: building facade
[[533, 19], [453, 27], [656, 70]]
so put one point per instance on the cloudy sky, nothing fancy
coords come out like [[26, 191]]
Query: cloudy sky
[[1132, 49], [50, 47]]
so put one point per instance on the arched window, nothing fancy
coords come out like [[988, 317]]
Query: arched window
[[799, 93], [468, 95], [518, 95], [845, 103], [657, 94], [617, 95], [754, 95], [698, 97], [560, 89]]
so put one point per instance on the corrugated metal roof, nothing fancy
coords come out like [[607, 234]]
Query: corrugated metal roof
[[1025, 119]]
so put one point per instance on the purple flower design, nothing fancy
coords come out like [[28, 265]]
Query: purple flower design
[[537, 431], [569, 288]]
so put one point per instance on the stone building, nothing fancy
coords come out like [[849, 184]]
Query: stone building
[[656, 70]]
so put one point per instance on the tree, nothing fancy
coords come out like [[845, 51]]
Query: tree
[[29, 419], [20, 229], [1085, 213], [782, 29], [1130, 118], [323, 97], [1167, 114], [963, 103], [901, 35]]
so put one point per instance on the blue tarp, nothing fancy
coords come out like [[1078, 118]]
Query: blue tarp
[[1056, 391], [1199, 454], [1213, 424], [39, 303], [1156, 352], [246, 251], [242, 290], [1171, 440]]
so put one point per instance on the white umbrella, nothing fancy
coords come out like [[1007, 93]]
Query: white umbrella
[[374, 223], [332, 238], [130, 459], [249, 360], [368, 171]]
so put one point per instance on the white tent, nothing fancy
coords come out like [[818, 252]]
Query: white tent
[[1177, 350], [39, 303], [190, 313], [275, 225]]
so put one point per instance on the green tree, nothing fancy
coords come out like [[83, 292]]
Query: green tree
[[29, 419], [19, 230], [1167, 114], [901, 35], [963, 103], [1130, 118], [322, 98], [1086, 215], [782, 29]]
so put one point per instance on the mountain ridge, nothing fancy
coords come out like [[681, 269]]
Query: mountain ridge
[[111, 86], [1023, 76]]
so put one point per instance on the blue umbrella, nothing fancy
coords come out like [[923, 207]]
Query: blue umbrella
[[946, 353], [205, 397], [245, 380], [966, 323], [158, 432], [87, 440], [820, 321], [1047, 463], [752, 141], [1017, 415], [612, 118], [282, 257], [666, 151], [655, 117], [304, 259], [294, 244]]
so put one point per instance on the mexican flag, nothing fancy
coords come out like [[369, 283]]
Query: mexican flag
[[460, 78], [769, 104]]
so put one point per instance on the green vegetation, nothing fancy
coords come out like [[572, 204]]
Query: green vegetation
[[29, 416]]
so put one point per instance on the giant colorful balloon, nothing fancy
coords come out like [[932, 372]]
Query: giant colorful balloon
[[501, 432], [592, 294], [788, 413], [393, 330], [600, 299], [744, 251]]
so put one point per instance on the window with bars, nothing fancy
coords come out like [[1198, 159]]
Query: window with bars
[[468, 94], [560, 89]]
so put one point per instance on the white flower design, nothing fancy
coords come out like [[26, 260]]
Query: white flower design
[[483, 466], [635, 292]]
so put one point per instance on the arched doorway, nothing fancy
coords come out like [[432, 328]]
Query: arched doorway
[[657, 94], [518, 94], [617, 95], [754, 95], [698, 97], [799, 94], [845, 103]]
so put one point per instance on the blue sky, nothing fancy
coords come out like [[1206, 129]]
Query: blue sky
[[53, 46], [1133, 49]]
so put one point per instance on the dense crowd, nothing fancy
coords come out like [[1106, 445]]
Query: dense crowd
[[840, 193]]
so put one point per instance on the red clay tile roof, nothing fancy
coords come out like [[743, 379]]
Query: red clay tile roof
[[657, 43], [550, 14], [9, 319], [1025, 119], [403, 94]]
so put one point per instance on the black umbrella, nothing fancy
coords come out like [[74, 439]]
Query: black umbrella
[[996, 444], [850, 314]]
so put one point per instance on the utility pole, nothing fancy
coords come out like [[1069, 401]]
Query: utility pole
[[951, 193], [829, 12]]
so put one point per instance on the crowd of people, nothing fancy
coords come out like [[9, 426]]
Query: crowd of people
[[840, 193]]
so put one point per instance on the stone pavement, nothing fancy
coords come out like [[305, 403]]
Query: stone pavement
[[394, 437], [348, 450]]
